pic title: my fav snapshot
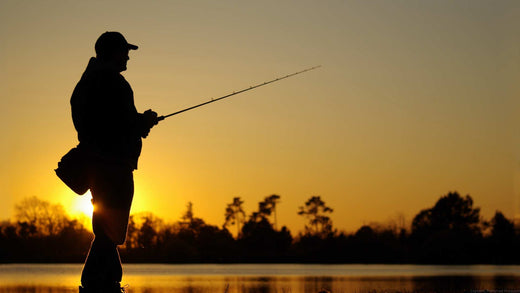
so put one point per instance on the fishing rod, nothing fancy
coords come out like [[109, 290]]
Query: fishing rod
[[160, 118]]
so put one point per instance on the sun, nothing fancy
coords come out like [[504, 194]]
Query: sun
[[83, 205]]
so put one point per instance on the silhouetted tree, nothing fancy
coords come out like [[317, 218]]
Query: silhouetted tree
[[196, 241], [502, 228], [265, 209], [397, 224], [261, 243], [42, 233], [268, 207], [147, 233], [503, 242], [235, 214], [143, 233], [189, 221], [449, 231], [36, 215], [216, 245], [377, 243], [132, 234], [451, 212], [315, 210]]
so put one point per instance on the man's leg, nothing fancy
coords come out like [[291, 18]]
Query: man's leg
[[112, 191], [102, 267]]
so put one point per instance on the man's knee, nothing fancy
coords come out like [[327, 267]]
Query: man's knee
[[118, 237], [111, 222]]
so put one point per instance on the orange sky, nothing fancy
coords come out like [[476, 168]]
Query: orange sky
[[414, 99]]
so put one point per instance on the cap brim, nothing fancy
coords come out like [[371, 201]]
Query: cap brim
[[132, 47]]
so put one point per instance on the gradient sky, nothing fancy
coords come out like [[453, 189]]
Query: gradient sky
[[414, 99]]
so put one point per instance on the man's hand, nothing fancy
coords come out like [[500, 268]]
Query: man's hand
[[150, 120]]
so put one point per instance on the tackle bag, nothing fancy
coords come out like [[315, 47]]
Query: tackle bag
[[73, 170]]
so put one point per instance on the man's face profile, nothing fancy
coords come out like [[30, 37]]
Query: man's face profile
[[121, 58]]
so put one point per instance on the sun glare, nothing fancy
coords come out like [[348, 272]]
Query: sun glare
[[83, 205]]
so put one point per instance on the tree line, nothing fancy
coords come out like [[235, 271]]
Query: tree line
[[452, 231]]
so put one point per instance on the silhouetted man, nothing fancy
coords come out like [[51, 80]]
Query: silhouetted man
[[109, 131]]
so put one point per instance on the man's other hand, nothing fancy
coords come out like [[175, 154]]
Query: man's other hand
[[150, 120]]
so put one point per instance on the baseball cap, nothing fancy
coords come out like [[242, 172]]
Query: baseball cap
[[110, 41]]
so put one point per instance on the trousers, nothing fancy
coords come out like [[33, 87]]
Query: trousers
[[112, 189]]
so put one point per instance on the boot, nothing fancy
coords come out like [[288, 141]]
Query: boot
[[116, 288], [89, 290]]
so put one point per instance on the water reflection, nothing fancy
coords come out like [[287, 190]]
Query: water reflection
[[301, 284], [35, 289], [445, 284], [266, 279]]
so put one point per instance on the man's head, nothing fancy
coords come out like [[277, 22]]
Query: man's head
[[112, 47]]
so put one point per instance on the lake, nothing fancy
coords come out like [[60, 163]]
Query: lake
[[269, 278]]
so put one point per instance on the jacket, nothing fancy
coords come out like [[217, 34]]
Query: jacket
[[105, 117]]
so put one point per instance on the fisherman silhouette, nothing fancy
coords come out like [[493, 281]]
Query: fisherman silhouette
[[110, 132]]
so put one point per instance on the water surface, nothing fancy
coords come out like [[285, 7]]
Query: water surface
[[269, 278]]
